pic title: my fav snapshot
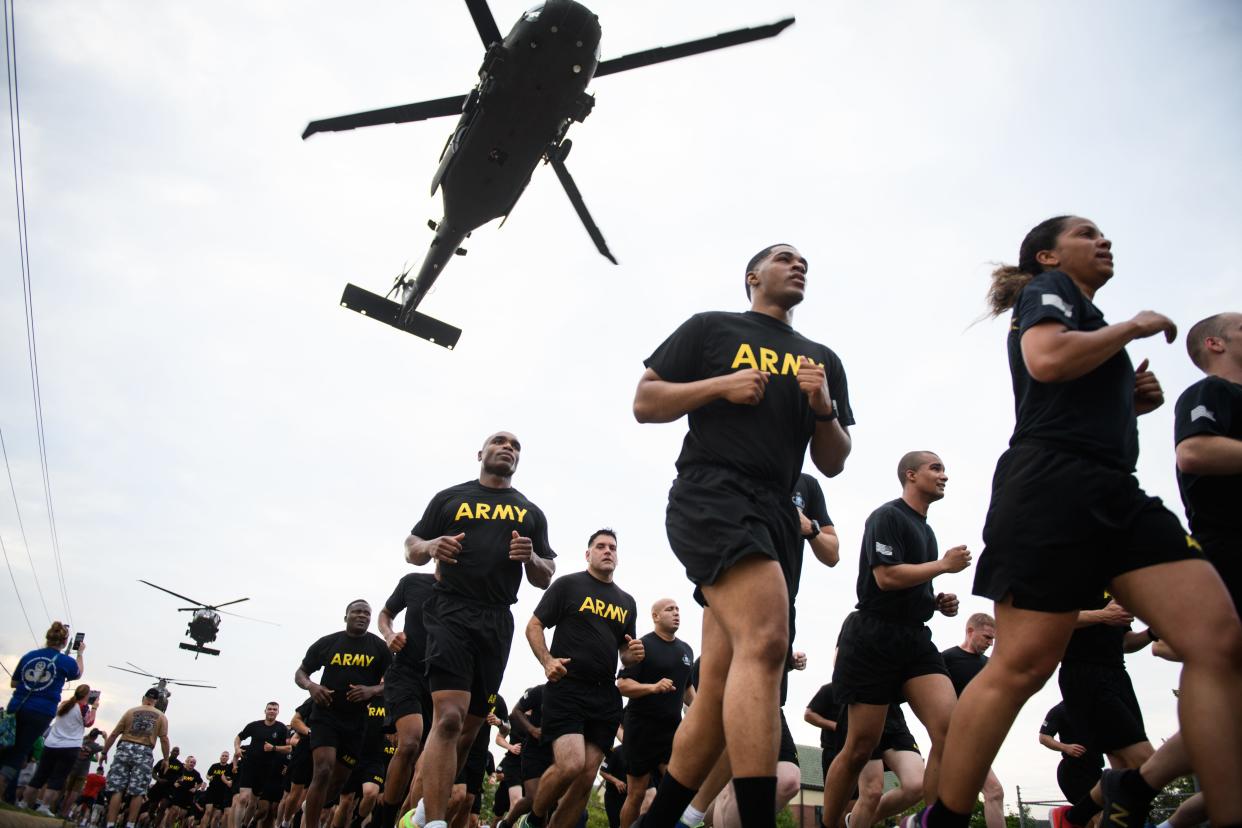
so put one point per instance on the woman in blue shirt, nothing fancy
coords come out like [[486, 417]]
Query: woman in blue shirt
[[37, 684]]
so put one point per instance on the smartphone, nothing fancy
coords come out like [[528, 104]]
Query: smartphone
[[92, 697], [77, 641]]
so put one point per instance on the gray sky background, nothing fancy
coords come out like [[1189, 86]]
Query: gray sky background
[[218, 425]]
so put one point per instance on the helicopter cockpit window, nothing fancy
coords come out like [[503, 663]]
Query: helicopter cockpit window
[[533, 14]]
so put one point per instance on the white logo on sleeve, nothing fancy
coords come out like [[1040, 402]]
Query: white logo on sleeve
[[884, 549], [1058, 303], [1200, 412]]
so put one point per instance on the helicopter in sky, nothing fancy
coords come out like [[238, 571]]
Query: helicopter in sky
[[205, 622], [532, 87], [161, 684]]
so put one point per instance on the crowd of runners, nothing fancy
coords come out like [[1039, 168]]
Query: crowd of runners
[[398, 727]]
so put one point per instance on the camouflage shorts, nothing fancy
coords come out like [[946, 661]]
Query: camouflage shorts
[[130, 770]]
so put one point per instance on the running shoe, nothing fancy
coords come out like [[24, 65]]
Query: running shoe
[[1121, 809], [1058, 819], [918, 819]]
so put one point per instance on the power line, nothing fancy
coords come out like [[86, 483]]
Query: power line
[[32, 350], [22, 526], [18, 592]]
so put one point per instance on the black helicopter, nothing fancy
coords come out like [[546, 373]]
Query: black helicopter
[[532, 86], [205, 622], [161, 683]]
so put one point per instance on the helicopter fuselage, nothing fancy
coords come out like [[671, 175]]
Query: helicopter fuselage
[[532, 86]]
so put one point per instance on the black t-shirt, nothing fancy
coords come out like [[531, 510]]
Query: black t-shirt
[[809, 497], [896, 534], [592, 619], [412, 590], [1092, 415], [1102, 644], [488, 517], [258, 732], [824, 703], [531, 704], [1212, 406], [216, 774], [963, 666], [614, 765], [168, 770], [373, 740], [766, 441], [188, 780], [482, 741], [664, 659], [347, 660], [1059, 721]]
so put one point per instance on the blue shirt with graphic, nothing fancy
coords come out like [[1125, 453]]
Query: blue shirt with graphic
[[40, 676]]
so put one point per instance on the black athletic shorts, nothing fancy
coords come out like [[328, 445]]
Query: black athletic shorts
[[301, 764], [895, 736], [259, 774], [467, 647], [716, 517], [510, 768], [368, 770], [789, 749], [1077, 777], [536, 758], [327, 729], [590, 708], [219, 795], [876, 657], [405, 694], [1061, 526], [648, 743], [472, 773], [1100, 701], [182, 797]]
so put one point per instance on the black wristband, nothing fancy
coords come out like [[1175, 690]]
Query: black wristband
[[1152, 635], [826, 418]]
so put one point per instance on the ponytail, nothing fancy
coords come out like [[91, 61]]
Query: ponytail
[[79, 694], [1008, 280]]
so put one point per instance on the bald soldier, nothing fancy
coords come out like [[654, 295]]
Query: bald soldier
[[655, 687]]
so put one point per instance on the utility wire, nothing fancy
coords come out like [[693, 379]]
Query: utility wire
[[19, 192], [18, 592], [21, 525]]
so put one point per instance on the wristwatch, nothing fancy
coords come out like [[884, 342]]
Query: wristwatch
[[814, 530]]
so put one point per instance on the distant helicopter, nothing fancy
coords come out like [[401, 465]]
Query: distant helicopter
[[161, 683], [205, 622], [532, 86]]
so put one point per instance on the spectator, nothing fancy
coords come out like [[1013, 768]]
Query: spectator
[[60, 750], [91, 747], [36, 683]]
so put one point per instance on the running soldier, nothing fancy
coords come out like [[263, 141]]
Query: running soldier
[[885, 652], [964, 663], [756, 393], [482, 534], [354, 662], [219, 777], [130, 770], [595, 623], [259, 771]]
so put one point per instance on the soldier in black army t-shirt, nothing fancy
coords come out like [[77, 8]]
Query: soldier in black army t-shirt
[[655, 688], [884, 652], [756, 392], [407, 700], [594, 621], [259, 771], [353, 662], [482, 534]]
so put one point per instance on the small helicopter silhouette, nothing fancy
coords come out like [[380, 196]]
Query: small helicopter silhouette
[[205, 622], [532, 86], [161, 683]]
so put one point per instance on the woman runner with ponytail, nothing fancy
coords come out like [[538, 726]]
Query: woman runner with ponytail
[[1068, 519]]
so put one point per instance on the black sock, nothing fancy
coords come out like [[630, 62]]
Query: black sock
[[534, 820], [939, 816], [1133, 783], [756, 800], [1082, 810], [669, 804]]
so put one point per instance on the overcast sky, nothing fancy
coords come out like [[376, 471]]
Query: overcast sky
[[218, 425]]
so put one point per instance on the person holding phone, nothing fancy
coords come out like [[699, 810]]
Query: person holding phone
[[37, 683], [60, 750]]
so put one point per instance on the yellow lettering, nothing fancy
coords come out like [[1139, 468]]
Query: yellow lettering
[[616, 613], [336, 659], [745, 356], [790, 365], [463, 511], [482, 511], [521, 514], [588, 605], [767, 360], [502, 511]]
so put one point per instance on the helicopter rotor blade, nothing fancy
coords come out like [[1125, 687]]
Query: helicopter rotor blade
[[247, 617], [575, 197], [188, 684], [144, 672], [421, 111], [170, 592], [693, 47], [227, 603], [127, 670], [484, 22]]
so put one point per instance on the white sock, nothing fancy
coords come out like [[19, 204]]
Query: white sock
[[437, 823], [420, 816], [1165, 824], [692, 815]]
